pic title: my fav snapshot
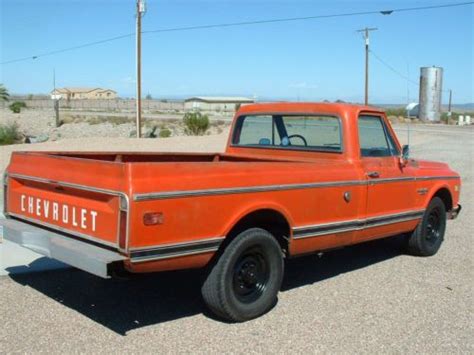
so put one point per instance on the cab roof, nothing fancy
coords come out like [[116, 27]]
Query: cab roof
[[339, 109]]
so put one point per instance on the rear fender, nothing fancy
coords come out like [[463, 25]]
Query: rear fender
[[254, 207]]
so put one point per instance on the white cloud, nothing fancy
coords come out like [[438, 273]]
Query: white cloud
[[303, 85]]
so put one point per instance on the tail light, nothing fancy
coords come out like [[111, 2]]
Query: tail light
[[153, 218]]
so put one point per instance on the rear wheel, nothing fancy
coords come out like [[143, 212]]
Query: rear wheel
[[244, 282], [429, 234]]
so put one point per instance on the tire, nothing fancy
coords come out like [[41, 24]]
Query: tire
[[244, 282], [428, 236]]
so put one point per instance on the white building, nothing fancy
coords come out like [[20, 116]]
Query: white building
[[216, 103]]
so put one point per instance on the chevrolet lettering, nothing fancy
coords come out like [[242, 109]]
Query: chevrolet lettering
[[296, 178], [55, 211]]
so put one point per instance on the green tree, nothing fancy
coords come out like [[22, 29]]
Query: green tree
[[4, 95]]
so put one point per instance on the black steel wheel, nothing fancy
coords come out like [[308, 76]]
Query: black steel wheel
[[251, 275], [433, 226], [428, 236], [245, 280]]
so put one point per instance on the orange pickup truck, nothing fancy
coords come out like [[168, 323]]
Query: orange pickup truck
[[296, 178]]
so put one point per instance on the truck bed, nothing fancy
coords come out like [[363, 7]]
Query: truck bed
[[103, 194]]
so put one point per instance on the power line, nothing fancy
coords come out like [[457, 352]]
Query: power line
[[305, 18], [89, 44], [392, 68], [237, 24], [400, 74]]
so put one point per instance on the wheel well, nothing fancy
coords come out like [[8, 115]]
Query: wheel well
[[445, 196], [270, 220]]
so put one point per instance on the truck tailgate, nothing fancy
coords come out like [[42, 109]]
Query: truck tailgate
[[60, 195]]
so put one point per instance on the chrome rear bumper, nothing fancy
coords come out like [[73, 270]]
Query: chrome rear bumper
[[84, 256]]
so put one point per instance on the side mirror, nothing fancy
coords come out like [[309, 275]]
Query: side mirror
[[406, 151], [404, 156]]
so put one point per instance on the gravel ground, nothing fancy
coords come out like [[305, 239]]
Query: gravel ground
[[366, 299]]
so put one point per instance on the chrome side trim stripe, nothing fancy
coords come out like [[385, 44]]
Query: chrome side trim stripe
[[175, 250], [237, 190], [267, 188], [68, 184], [387, 180], [354, 225], [423, 178]]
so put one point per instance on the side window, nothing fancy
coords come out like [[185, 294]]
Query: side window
[[373, 138], [391, 142]]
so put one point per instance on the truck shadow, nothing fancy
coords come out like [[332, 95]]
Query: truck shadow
[[124, 305]]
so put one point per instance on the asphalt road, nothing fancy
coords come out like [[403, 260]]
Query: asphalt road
[[366, 299]]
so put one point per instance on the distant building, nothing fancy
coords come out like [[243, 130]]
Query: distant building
[[84, 93], [216, 103]]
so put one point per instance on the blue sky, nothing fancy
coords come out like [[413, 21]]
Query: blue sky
[[308, 60]]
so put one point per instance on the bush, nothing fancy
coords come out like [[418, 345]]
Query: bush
[[165, 133], [17, 106], [196, 123], [9, 133], [397, 112]]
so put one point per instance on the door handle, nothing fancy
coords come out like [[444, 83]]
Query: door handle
[[373, 174]]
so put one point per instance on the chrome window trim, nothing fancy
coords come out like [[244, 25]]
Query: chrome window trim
[[163, 195], [291, 113], [121, 196]]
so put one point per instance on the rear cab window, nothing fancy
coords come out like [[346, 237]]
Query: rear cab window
[[292, 132], [375, 139]]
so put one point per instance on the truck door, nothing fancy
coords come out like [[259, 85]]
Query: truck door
[[390, 187]]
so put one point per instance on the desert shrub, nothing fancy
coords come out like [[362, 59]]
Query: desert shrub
[[196, 124], [165, 133], [9, 133], [17, 106], [397, 112]]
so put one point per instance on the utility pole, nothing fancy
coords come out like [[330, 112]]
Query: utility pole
[[449, 105], [366, 37], [55, 99], [140, 12]]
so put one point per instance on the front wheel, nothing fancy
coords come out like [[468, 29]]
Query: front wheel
[[244, 282], [429, 234]]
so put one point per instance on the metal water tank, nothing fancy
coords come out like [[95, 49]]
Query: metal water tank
[[431, 88]]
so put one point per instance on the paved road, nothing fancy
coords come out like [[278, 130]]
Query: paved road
[[367, 298]]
